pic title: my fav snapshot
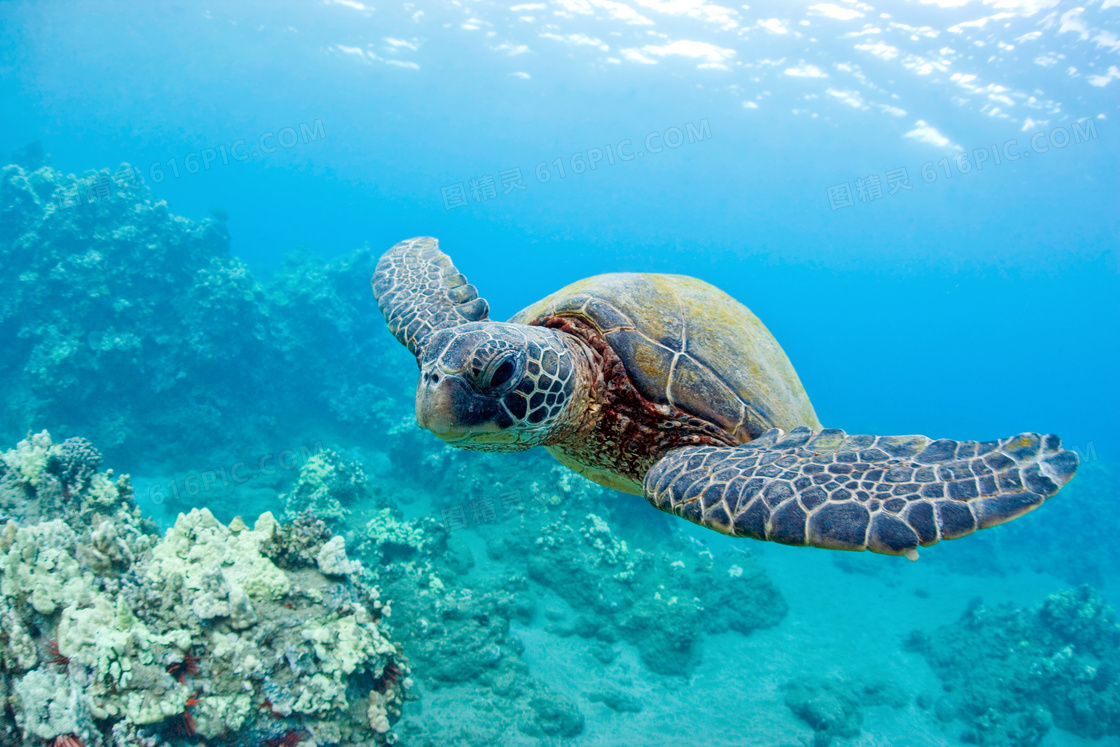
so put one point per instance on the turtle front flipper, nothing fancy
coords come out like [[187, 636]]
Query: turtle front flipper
[[420, 292], [886, 494]]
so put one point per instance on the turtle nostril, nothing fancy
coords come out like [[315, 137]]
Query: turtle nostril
[[435, 378]]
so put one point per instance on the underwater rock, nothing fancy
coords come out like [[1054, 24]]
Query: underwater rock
[[833, 707], [74, 462], [1011, 674], [111, 632], [829, 708], [460, 640], [554, 716], [604, 652], [296, 543], [389, 538], [467, 636], [666, 632], [1082, 618], [617, 700]]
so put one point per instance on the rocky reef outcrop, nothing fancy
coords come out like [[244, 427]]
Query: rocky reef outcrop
[[1010, 675], [111, 634], [554, 562], [121, 319], [833, 706]]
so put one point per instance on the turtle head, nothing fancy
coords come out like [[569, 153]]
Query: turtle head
[[491, 386]]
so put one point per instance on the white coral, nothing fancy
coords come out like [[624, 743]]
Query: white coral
[[332, 559], [29, 458]]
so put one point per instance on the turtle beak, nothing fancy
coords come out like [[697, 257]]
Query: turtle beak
[[434, 411], [446, 406]]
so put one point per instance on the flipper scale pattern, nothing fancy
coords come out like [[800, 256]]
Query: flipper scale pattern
[[420, 292], [886, 494]]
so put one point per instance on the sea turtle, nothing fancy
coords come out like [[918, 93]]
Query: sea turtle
[[665, 386]]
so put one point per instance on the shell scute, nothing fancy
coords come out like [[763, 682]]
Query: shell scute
[[646, 362], [697, 389], [606, 316], [688, 344]]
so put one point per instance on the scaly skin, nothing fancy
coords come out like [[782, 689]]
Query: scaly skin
[[544, 399], [420, 292], [886, 494]]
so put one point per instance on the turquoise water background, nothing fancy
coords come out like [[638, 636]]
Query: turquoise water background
[[978, 303], [976, 306]]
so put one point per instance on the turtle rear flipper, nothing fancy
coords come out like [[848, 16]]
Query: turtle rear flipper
[[886, 494], [420, 292]]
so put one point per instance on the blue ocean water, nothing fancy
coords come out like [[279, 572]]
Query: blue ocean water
[[921, 200]]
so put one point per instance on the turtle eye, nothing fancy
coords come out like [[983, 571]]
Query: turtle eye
[[500, 372]]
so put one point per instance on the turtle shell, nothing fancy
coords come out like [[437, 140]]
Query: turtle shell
[[689, 345]]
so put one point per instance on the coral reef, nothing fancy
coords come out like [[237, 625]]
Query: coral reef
[[456, 633], [113, 635], [661, 601], [327, 484], [462, 642], [1010, 674], [122, 319], [558, 537], [561, 537]]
